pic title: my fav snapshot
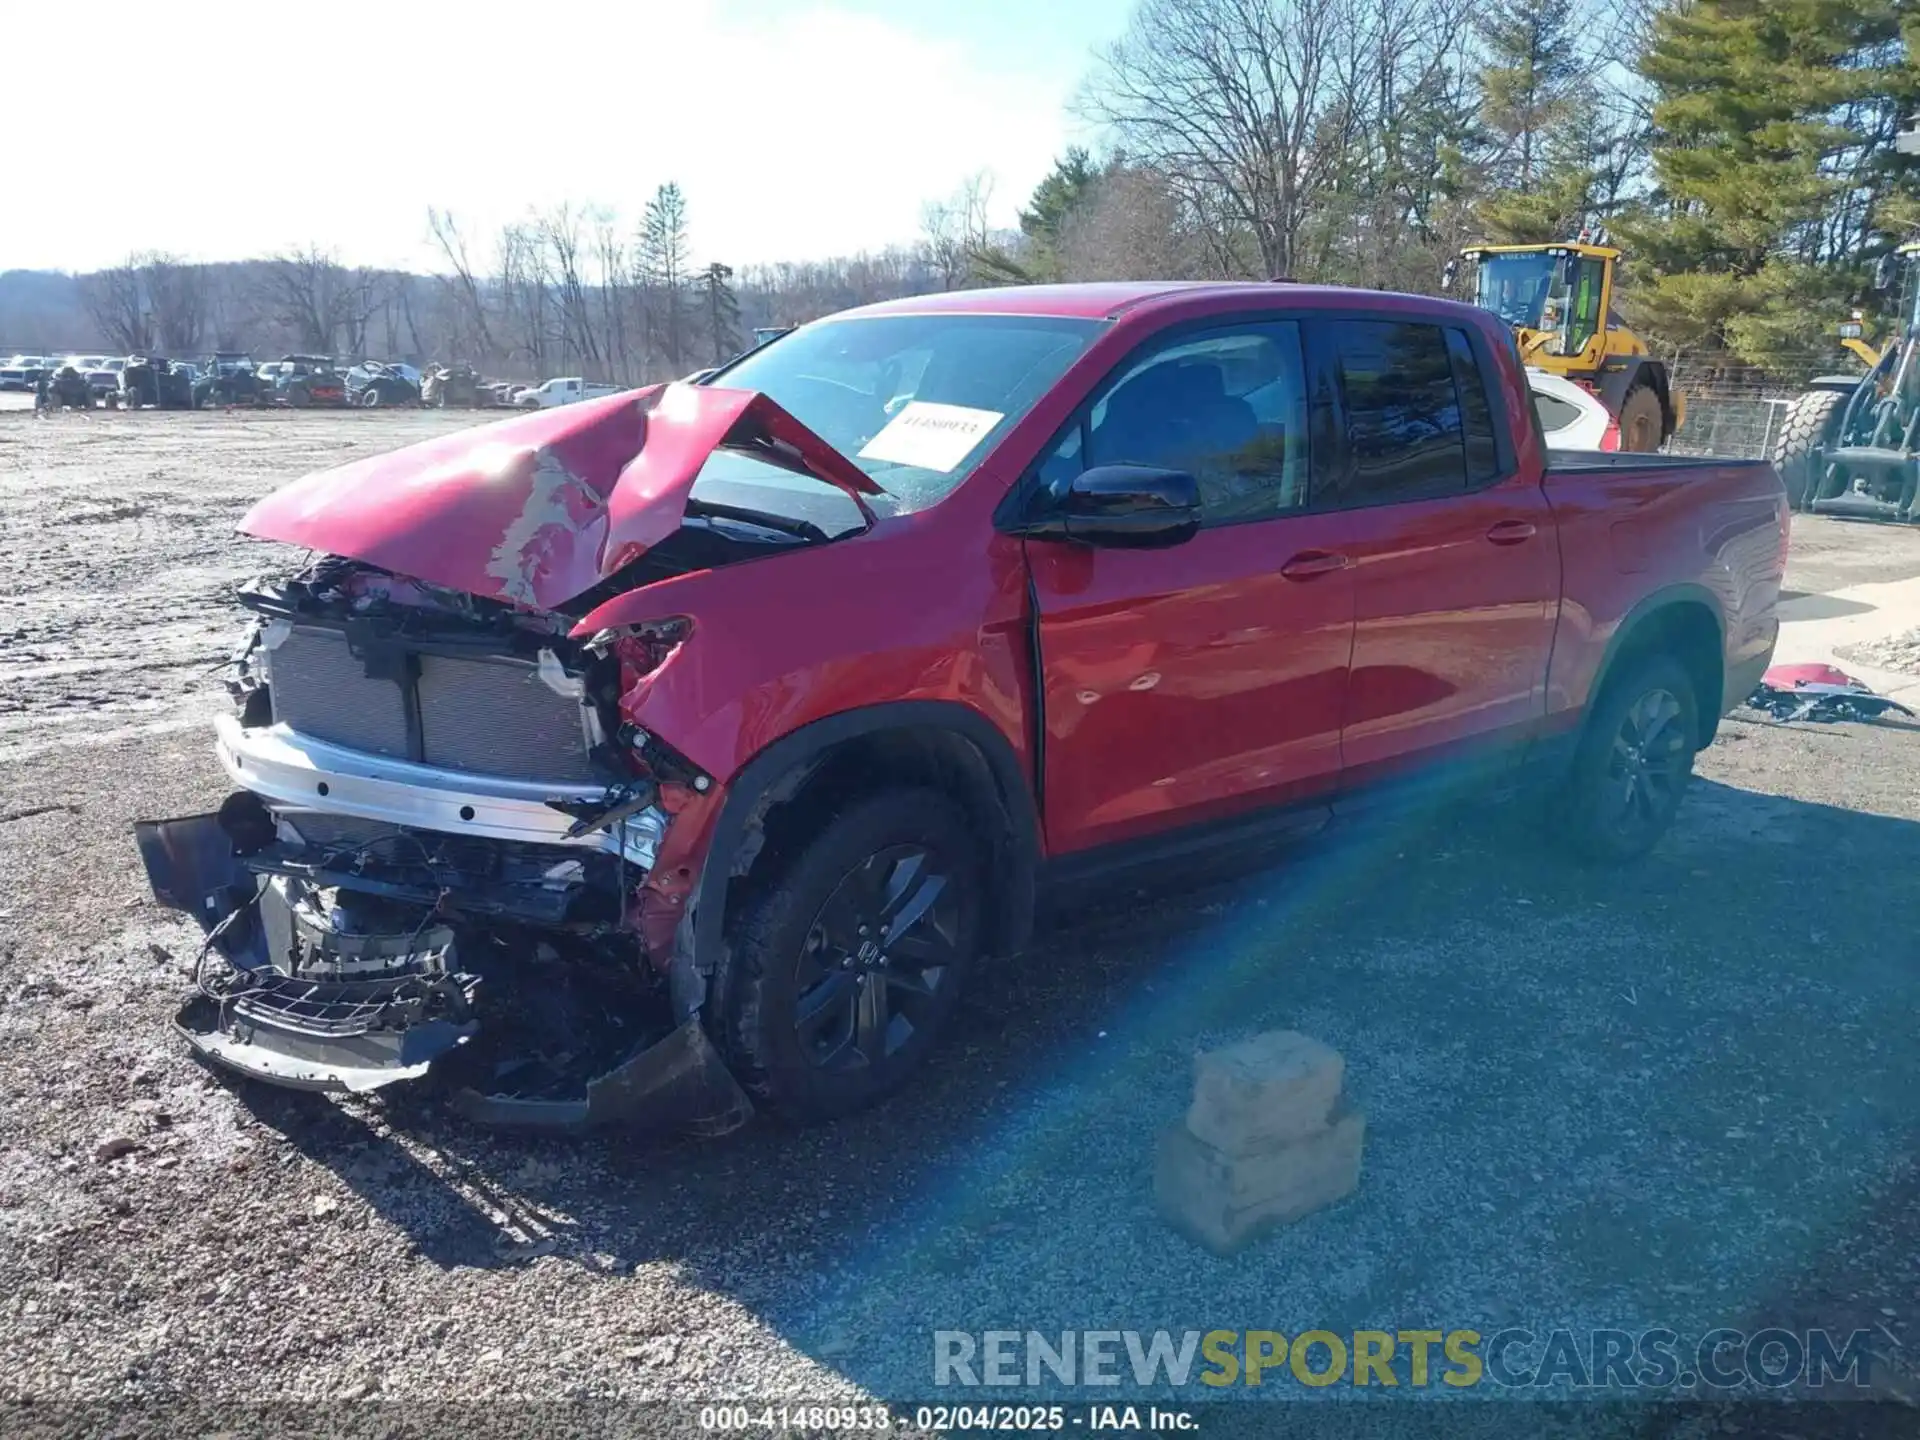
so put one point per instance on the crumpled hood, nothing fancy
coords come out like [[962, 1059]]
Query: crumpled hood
[[542, 507]]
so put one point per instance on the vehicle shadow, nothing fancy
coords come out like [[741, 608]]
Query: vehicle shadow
[[1803, 605], [1637, 1094]]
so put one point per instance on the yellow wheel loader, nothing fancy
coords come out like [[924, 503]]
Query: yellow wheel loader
[[1559, 300]]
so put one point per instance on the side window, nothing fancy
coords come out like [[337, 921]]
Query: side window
[[1229, 407], [1555, 413], [1584, 312], [1476, 410], [1405, 436]]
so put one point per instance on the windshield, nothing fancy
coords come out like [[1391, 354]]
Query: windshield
[[914, 400], [1516, 287]]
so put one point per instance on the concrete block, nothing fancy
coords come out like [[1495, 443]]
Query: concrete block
[[1274, 1088], [1225, 1201]]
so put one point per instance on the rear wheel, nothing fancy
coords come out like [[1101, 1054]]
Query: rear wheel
[[1642, 420], [1634, 761], [843, 970], [370, 397], [1809, 426]]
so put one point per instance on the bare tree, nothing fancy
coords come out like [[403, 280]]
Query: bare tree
[[955, 237], [319, 301], [116, 302], [558, 233], [453, 247], [1249, 108], [1133, 226], [177, 298]]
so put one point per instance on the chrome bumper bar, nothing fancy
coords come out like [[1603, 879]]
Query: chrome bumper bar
[[298, 772]]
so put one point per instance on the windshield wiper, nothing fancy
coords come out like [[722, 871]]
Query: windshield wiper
[[780, 524]]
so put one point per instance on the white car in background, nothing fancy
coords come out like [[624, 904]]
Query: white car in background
[[1570, 415], [563, 391]]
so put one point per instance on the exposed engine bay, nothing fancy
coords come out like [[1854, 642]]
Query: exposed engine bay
[[436, 859]]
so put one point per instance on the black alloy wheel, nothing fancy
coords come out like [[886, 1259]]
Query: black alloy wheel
[[875, 958], [847, 954], [1634, 762], [1647, 764]]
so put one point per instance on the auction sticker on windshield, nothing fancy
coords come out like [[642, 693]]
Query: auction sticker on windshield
[[930, 436]]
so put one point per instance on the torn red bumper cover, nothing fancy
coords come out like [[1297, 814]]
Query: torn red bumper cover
[[442, 853]]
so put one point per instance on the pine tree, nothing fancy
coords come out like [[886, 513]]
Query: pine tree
[[1773, 123], [723, 311], [663, 264], [1067, 187], [1537, 115], [1533, 86]]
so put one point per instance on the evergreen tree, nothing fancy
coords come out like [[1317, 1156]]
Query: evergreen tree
[[1067, 187], [1534, 84], [723, 311], [1773, 128], [1537, 111], [664, 263]]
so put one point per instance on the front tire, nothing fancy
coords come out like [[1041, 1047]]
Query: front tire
[[844, 967], [1633, 763]]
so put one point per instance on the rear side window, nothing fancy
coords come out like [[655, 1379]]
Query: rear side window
[[1555, 413], [1476, 411], [1406, 434]]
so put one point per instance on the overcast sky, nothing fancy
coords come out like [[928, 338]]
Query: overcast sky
[[797, 128]]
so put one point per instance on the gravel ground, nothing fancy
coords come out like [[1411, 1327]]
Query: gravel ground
[[1898, 653], [1678, 1094]]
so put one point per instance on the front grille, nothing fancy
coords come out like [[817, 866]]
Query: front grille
[[491, 715]]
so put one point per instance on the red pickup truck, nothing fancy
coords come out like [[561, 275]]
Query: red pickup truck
[[686, 750]]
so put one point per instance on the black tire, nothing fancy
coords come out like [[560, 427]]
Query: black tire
[[814, 1028], [370, 397], [1633, 763], [1643, 421], [1809, 426]]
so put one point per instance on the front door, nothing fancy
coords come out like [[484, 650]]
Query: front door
[[1192, 683]]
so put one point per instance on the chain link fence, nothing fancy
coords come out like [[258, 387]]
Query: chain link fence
[[1736, 411]]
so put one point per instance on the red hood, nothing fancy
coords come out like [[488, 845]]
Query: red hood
[[537, 509]]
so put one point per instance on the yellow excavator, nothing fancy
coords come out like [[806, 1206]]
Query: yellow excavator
[[1559, 300]]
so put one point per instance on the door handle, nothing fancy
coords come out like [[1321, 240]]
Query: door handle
[[1511, 532], [1309, 563]]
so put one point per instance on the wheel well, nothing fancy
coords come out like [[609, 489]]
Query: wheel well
[[1688, 631], [795, 806]]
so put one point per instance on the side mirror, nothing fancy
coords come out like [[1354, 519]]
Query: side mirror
[[1122, 507], [1449, 273]]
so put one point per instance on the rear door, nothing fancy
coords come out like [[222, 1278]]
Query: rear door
[[1186, 684], [1457, 567]]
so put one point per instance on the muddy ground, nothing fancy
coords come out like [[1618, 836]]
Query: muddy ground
[[1680, 1094]]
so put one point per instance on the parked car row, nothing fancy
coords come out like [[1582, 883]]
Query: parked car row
[[23, 372]]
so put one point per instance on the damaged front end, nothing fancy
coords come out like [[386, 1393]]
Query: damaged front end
[[441, 855], [435, 862]]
